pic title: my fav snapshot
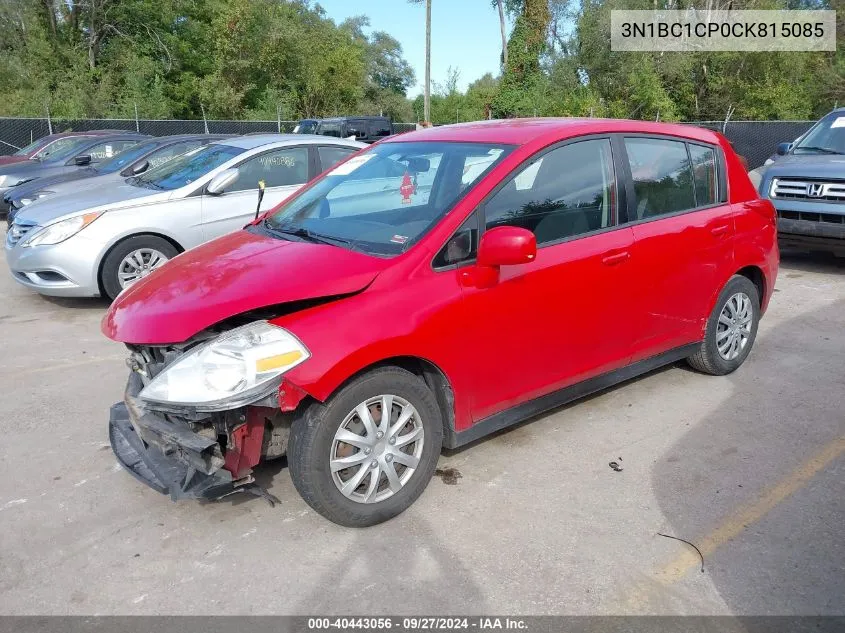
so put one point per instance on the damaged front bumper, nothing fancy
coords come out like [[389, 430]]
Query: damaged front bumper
[[174, 460]]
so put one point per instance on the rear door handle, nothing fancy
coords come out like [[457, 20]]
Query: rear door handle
[[719, 230], [615, 258]]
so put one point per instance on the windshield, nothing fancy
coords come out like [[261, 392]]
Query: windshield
[[184, 169], [23, 151], [61, 148], [826, 137], [306, 127], [125, 157], [384, 200]]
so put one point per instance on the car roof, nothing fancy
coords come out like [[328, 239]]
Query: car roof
[[170, 138], [356, 117], [257, 140], [525, 131]]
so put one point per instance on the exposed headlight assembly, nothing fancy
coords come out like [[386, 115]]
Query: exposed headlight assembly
[[235, 369], [60, 231]]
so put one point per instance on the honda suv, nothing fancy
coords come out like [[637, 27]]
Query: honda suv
[[432, 289], [807, 187]]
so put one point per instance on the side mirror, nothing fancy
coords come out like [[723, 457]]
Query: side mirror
[[502, 246], [222, 180], [81, 161], [784, 148], [140, 168], [507, 246]]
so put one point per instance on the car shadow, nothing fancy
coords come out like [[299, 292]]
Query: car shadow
[[757, 482], [401, 567], [79, 303]]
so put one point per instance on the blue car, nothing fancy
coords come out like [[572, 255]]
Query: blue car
[[807, 187]]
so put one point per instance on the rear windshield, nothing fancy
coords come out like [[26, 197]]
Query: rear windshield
[[826, 137], [383, 200], [185, 169]]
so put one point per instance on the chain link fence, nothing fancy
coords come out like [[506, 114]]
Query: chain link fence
[[755, 140]]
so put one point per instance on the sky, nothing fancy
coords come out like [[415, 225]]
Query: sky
[[464, 34]]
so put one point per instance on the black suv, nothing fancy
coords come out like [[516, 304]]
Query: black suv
[[367, 129]]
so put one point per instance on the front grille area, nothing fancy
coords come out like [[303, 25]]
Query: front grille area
[[810, 190], [809, 216], [17, 231]]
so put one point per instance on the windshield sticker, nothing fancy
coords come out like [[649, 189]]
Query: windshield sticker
[[399, 239], [839, 122], [407, 189], [344, 169]]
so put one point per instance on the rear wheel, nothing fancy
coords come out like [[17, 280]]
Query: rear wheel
[[731, 329], [133, 259], [368, 452]]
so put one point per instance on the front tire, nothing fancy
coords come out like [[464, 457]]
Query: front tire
[[132, 259], [357, 468], [731, 329]]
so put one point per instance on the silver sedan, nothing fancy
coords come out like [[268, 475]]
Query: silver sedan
[[98, 241]]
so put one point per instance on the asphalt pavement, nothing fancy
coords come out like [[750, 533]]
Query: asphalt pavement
[[748, 467]]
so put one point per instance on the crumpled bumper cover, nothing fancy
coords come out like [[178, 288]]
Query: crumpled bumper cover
[[167, 475], [169, 460]]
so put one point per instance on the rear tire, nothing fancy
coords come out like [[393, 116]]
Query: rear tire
[[148, 250], [366, 492], [731, 329]]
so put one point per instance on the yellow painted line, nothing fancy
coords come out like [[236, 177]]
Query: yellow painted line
[[735, 524]]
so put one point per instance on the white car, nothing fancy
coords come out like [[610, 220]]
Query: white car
[[97, 241]]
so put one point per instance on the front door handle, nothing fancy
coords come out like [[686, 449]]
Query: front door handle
[[719, 230], [615, 258]]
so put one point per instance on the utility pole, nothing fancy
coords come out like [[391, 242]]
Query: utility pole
[[137, 123]]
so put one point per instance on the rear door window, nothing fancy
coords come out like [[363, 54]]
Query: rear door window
[[277, 168], [663, 180], [331, 155], [106, 150]]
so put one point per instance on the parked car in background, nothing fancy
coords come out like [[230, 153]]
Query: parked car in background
[[131, 162], [306, 126], [807, 187], [367, 129], [365, 324], [75, 155], [49, 144], [98, 241]]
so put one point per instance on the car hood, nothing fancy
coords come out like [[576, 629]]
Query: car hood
[[31, 168], [236, 273], [116, 196], [48, 182], [67, 184], [808, 166]]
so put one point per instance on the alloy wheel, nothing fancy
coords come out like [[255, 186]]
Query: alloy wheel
[[376, 449], [733, 329], [139, 263]]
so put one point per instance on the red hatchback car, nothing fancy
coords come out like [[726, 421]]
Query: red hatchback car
[[431, 289]]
